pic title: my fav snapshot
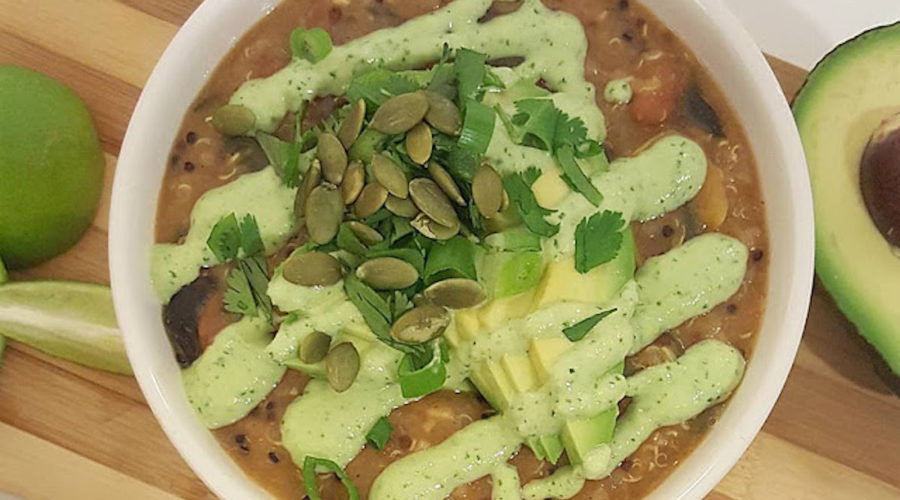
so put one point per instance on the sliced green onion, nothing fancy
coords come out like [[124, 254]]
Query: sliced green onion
[[478, 127], [310, 467], [470, 68], [565, 156], [578, 331], [225, 238], [379, 433], [419, 381], [310, 44]]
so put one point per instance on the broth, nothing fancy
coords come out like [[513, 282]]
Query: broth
[[624, 40]]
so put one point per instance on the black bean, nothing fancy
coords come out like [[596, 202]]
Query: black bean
[[270, 405], [731, 308], [189, 166], [757, 255], [273, 457], [623, 4], [190, 137], [627, 37], [667, 231], [240, 438]]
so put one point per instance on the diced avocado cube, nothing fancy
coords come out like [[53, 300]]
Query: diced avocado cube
[[543, 353], [561, 282], [520, 372], [581, 435], [499, 312], [553, 447], [511, 273]]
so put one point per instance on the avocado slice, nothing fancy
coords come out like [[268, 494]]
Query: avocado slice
[[847, 96]]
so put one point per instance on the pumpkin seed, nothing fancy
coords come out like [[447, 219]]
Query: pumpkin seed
[[433, 230], [487, 191], [366, 234], [432, 201], [312, 269], [342, 366], [387, 273], [443, 179], [389, 175], [333, 158], [233, 119], [442, 114], [370, 199], [311, 179], [352, 125], [455, 293], [420, 324], [324, 212], [400, 113], [403, 207], [314, 347], [354, 180], [419, 143], [504, 220]]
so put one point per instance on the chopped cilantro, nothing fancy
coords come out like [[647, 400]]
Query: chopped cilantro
[[225, 239], [454, 258], [251, 241], [598, 239], [283, 155], [478, 127], [542, 125], [470, 72], [578, 331], [518, 188], [378, 85]]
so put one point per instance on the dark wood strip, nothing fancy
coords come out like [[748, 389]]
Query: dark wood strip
[[109, 99], [837, 421], [92, 421], [172, 11]]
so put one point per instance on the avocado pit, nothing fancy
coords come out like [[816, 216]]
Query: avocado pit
[[879, 179]]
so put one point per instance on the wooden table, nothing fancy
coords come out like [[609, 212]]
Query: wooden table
[[67, 432]]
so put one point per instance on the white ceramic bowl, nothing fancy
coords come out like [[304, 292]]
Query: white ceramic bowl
[[718, 40]]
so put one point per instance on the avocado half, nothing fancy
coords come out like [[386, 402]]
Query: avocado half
[[848, 114]]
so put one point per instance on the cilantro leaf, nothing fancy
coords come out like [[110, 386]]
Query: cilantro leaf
[[225, 239], [518, 187], [470, 71], [251, 241], [598, 239], [573, 174], [544, 126], [378, 85], [578, 331], [453, 258], [283, 155], [257, 275], [238, 296], [379, 434]]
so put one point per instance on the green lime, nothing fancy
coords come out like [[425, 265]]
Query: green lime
[[51, 167], [70, 320]]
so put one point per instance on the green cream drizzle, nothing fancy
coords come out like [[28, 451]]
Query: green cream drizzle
[[667, 290], [685, 282], [505, 482], [618, 91], [471, 453], [261, 194], [233, 375]]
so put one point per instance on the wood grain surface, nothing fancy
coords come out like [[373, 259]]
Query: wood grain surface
[[68, 432]]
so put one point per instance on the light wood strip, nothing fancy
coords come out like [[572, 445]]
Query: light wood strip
[[109, 99], [775, 469], [99, 424], [716, 495], [103, 34], [171, 11], [839, 423], [36, 469]]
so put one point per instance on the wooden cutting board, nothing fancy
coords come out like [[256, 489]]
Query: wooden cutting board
[[68, 432]]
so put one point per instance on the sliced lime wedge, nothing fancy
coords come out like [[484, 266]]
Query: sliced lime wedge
[[70, 320]]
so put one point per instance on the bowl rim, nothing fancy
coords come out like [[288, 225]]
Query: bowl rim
[[129, 226]]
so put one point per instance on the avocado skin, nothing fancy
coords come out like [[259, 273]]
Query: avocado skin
[[853, 260]]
